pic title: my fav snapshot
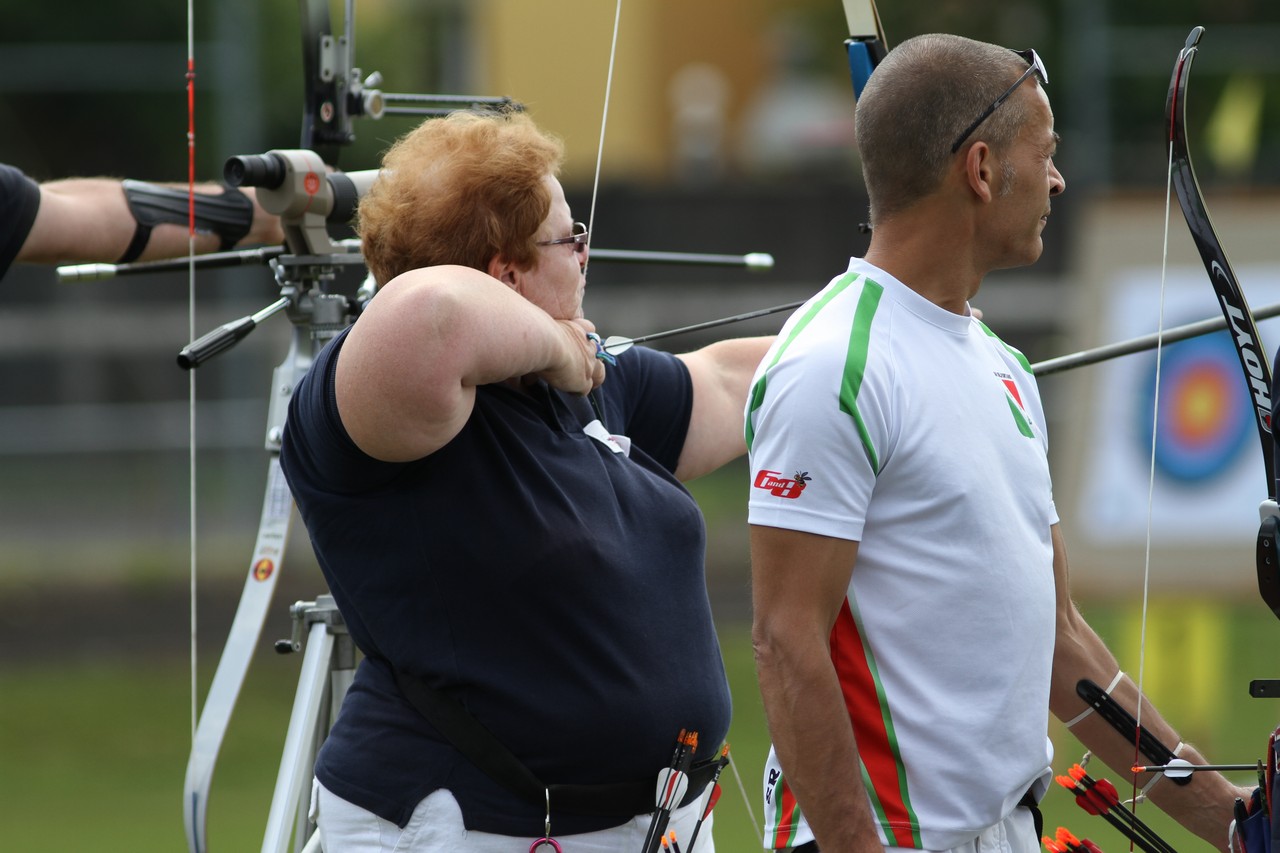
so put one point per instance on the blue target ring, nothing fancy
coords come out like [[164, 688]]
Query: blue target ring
[[1205, 411]]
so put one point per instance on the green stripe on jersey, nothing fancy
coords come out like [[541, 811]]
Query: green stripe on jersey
[[786, 816], [855, 364], [1019, 418], [758, 390], [1022, 359]]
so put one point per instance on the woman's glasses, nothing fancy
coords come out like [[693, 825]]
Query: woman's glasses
[[578, 238]]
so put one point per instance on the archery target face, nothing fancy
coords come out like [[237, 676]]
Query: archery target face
[[1208, 459], [1205, 417]]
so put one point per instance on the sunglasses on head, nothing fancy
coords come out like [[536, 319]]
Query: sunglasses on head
[[1034, 66]]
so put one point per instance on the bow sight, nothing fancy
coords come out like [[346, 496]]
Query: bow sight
[[335, 95]]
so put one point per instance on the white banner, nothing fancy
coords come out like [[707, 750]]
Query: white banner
[[1208, 458]]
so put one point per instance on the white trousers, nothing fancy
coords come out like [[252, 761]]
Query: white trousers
[[436, 827], [1014, 834]]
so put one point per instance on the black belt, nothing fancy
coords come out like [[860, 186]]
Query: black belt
[[623, 798], [469, 736], [1029, 801]]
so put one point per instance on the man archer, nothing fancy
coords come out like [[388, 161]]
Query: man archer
[[913, 623]]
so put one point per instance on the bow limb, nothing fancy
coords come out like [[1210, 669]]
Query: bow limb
[[1235, 309], [1257, 372], [242, 641], [866, 44]]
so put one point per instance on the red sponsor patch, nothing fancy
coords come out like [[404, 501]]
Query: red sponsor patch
[[782, 487]]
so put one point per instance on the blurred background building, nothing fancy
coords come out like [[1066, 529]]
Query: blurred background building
[[729, 130]]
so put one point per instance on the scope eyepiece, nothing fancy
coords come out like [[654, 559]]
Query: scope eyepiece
[[255, 170]]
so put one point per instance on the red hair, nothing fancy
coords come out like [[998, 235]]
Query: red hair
[[459, 190]]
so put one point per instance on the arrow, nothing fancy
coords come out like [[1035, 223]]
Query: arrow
[[616, 344], [713, 798], [1180, 767], [1143, 343], [1099, 797]]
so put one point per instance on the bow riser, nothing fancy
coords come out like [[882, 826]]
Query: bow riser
[[864, 55]]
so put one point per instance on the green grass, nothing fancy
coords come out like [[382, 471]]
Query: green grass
[[92, 756]]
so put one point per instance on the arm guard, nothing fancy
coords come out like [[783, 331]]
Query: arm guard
[[229, 215], [1123, 722]]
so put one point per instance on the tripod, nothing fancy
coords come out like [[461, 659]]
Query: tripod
[[328, 667]]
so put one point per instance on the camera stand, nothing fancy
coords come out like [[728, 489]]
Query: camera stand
[[328, 667]]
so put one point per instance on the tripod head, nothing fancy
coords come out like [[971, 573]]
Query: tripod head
[[296, 186]]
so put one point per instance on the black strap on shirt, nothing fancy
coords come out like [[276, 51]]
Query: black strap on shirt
[[469, 736]]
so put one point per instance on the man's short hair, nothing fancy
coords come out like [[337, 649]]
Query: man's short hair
[[923, 95]]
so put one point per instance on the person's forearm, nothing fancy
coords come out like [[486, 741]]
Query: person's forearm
[[265, 229], [1205, 805], [445, 327], [89, 219], [407, 377], [170, 240], [815, 744]]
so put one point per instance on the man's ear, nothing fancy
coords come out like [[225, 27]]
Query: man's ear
[[981, 169]]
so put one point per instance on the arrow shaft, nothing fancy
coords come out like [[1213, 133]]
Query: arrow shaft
[[1142, 344], [1040, 368], [755, 260], [710, 324], [1190, 768]]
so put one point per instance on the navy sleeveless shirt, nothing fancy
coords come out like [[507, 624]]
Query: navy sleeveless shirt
[[551, 584]]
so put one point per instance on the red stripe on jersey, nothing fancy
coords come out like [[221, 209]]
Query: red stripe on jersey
[[875, 744]]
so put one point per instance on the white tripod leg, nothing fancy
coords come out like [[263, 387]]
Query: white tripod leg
[[326, 672]]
